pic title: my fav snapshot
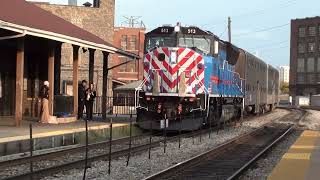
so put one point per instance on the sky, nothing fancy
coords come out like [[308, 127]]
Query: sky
[[261, 27]]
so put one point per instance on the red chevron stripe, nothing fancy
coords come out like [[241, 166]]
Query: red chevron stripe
[[171, 70], [180, 63], [148, 57], [164, 77], [194, 63], [166, 51], [193, 77], [183, 61]]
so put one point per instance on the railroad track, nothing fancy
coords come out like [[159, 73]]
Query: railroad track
[[79, 163], [47, 171], [230, 159]]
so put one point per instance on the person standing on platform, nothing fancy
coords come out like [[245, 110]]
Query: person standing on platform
[[44, 95], [91, 95], [82, 98]]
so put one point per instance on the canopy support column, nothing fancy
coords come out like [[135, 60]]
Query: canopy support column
[[19, 81], [51, 76], [75, 79], [105, 85]]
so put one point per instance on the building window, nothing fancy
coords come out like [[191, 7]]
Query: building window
[[311, 47], [312, 31], [128, 67], [133, 42], [311, 78], [131, 66], [300, 79], [310, 64], [124, 40], [302, 32], [300, 65], [301, 48]]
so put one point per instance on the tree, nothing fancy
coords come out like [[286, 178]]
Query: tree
[[284, 88]]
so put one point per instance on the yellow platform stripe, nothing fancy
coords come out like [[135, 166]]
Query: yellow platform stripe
[[295, 163], [58, 132], [302, 156]]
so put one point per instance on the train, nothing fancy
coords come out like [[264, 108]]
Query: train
[[193, 79]]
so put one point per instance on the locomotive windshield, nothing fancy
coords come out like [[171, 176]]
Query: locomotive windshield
[[200, 43], [160, 42]]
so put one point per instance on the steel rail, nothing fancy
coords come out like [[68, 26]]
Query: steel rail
[[36, 174], [54, 154], [194, 161]]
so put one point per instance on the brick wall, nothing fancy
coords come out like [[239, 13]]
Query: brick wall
[[98, 21], [132, 71], [306, 81]]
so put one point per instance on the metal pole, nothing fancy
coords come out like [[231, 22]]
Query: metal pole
[[192, 128], [200, 137], [86, 155], [210, 128], [180, 131], [219, 121], [150, 139], [130, 140], [229, 29], [31, 150], [110, 147], [165, 133], [242, 109]]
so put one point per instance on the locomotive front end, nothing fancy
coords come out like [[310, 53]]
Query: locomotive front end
[[173, 79], [173, 84], [188, 82]]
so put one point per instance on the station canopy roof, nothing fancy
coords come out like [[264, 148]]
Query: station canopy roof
[[26, 18]]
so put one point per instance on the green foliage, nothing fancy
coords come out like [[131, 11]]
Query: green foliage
[[284, 88]]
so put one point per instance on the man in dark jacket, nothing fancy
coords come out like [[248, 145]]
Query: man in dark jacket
[[82, 98]]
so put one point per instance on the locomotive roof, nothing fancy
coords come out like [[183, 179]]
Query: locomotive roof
[[166, 29]]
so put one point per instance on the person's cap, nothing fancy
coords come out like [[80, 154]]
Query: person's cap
[[46, 83]]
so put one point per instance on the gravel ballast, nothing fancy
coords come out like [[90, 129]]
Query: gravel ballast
[[141, 167], [311, 121], [261, 169]]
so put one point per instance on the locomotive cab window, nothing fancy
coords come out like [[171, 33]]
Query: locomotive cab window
[[202, 44], [160, 41]]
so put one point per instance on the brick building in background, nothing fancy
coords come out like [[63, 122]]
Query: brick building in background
[[130, 39], [305, 57], [97, 19]]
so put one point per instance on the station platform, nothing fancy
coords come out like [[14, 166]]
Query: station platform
[[302, 160], [14, 140], [11, 133]]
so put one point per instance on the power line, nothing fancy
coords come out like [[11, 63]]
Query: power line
[[277, 47], [262, 30], [263, 11], [269, 45], [225, 30], [257, 12]]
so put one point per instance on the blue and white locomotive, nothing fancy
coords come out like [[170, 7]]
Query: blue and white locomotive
[[193, 79]]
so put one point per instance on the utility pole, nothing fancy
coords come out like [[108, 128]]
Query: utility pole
[[229, 29]]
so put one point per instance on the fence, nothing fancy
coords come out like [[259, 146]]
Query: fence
[[115, 106], [161, 140]]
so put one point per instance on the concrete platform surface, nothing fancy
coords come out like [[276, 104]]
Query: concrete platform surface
[[11, 133], [302, 161]]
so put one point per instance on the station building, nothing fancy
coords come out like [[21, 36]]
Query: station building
[[31, 48], [305, 57]]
